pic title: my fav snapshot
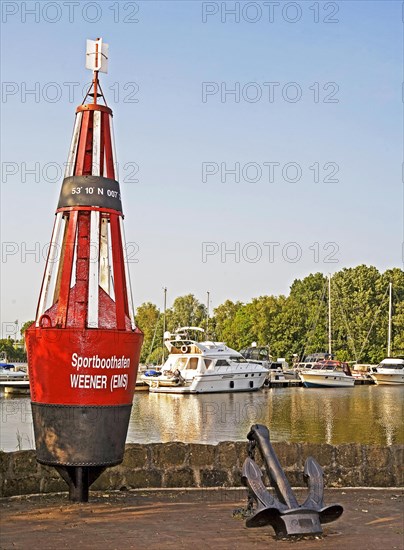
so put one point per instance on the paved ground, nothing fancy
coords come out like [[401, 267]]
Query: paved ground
[[372, 520]]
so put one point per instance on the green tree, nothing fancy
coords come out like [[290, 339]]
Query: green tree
[[186, 311], [7, 348], [359, 297], [396, 277], [24, 327], [223, 320], [298, 323], [149, 320], [12, 351], [303, 319]]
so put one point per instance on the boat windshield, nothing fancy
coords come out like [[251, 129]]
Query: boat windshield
[[391, 366], [256, 353]]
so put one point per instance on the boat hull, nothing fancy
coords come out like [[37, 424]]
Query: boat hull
[[312, 380], [388, 379], [215, 383]]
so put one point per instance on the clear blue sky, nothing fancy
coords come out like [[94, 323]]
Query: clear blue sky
[[170, 132]]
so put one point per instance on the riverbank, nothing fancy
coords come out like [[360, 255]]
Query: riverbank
[[191, 465], [372, 519]]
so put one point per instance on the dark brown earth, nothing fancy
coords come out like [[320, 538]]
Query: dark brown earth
[[373, 519]]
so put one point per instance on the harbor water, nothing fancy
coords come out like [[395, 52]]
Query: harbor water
[[364, 414]]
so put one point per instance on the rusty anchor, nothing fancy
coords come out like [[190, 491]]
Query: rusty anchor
[[283, 511]]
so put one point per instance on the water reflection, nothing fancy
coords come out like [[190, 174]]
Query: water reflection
[[16, 428], [387, 418], [363, 414]]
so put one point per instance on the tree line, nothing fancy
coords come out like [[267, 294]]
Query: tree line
[[296, 324]]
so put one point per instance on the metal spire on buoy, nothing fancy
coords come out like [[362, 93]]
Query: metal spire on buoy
[[84, 347]]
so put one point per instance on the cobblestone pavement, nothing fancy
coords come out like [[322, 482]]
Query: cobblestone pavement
[[201, 519]]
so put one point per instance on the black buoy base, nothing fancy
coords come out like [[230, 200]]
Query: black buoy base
[[79, 479]]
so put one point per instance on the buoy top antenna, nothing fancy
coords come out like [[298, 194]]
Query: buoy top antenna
[[96, 61], [97, 55]]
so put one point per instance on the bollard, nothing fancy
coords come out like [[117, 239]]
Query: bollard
[[83, 348]]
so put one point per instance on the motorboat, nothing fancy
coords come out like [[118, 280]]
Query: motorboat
[[312, 361], [389, 371], [362, 372], [260, 356], [13, 380], [203, 367], [278, 372], [329, 374]]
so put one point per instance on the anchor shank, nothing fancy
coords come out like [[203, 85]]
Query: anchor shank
[[280, 482]]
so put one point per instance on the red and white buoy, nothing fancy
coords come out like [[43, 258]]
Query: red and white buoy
[[84, 348]]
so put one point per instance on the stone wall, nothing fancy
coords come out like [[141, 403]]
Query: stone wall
[[169, 465]]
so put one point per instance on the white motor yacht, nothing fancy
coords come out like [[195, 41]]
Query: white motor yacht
[[389, 371], [203, 367], [330, 374]]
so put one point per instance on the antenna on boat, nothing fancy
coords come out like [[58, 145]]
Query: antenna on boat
[[329, 316], [390, 312]]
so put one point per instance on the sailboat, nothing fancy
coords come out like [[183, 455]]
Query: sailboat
[[391, 370], [328, 373]]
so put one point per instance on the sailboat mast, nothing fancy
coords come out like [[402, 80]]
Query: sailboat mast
[[390, 314], [207, 316], [329, 315], [164, 317]]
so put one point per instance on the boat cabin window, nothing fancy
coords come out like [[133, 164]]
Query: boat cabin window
[[222, 363], [180, 363], [238, 359], [208, 363], [193, 363]]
